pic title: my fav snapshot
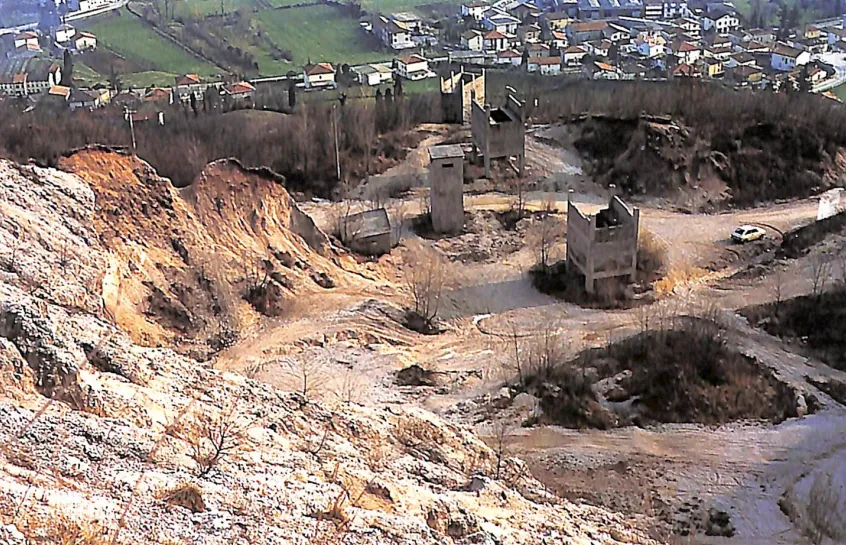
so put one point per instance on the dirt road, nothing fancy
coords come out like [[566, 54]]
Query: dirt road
[[669, 472]]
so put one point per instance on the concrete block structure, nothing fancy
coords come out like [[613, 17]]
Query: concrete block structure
[[446, 179], [603, 245], [368, 233], [499, 133], [458, 92]]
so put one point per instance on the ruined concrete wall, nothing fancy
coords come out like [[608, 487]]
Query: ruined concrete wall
[[475, 88], [446, 178], [604, 252]]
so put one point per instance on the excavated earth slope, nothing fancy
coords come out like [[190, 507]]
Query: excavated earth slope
[[104, 439]]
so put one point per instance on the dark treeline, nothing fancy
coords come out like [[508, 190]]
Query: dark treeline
[[301, 145]]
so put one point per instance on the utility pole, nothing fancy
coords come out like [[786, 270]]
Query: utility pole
[[337, 152], [129, 113]]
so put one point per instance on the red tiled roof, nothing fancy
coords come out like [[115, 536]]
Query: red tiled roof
[[319, 68], [412, 59], [494, 35]]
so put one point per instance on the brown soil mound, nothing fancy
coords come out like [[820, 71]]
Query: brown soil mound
[[186, 265], [744, 164]]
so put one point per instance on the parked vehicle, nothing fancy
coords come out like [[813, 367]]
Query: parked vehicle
[[747, 233]]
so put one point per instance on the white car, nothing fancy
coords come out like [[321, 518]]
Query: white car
[[747, 233]]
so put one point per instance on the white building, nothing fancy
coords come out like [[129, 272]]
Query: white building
[[500, 22], [785, 58], [319, 75], [473, 40], [413, 67], [722, 22], [85, 41], [65, 33], [373, 74], [475, 9]]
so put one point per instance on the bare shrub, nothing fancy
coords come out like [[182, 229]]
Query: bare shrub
[[309, 373], [777, 287], [543, 235], [426, 277], [500, 444], [825, 516], [212, 437], [820, 268], [652, 255]]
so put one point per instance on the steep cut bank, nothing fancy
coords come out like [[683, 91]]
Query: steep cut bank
[[192, 268], [106, 441], [740, 165]]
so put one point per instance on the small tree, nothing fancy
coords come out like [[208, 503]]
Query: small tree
[[426, 278], [500, 444], [820, 272], [309, 374], [543, 236], [213, 437]]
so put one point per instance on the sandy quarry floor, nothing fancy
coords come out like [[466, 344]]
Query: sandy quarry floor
[[669, 471]]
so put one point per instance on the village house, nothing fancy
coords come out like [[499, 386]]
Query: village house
[[408, 20], [188, 85], [755, 47], [475, 9], [664, 10], [58, 93], [722, 55], [812, 32], [602, 70], [498, 21], [557, 20], [607, 9], [720, 20], [711, 67], [617, 33], [538, 50], [558, 40], [24, 77], [64, 34], [473, 40], [84, 99], [650, 45], [85, 41], [509, 57], [24, 39], [598, 48], [413, 67], [836, 37], [393, 34], [547, 66], [583, 32], [320, 75], [741, 58], [529, 33], [689, 26], [684, 70], [495, 41], [527, 12], [573, 55], [240, 91], [160, 95], [745, 76], [685, 52], [373, 74], [785, 58]]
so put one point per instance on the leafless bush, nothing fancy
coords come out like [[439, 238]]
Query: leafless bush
[[543, 235], [820, 267], [825, 516], [777, 287], [426, 277], [213, 437], [652, 258], [309, 373], [500, 444]]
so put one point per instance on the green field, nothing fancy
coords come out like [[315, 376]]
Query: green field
[[129, 37], [840, 91], [319, 33]]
